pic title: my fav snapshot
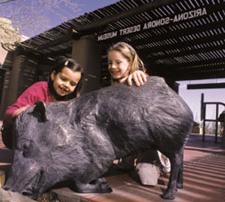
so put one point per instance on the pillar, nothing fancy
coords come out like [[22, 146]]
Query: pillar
[[173, 84], [12, 82], [86, 52]]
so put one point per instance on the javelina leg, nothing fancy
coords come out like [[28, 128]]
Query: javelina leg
[[96, 186], [176, 163], [180, 173]]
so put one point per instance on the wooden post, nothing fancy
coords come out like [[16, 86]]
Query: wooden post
[[202, 121], [11, 90]]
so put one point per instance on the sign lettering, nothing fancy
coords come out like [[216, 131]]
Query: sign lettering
[[154, 23]]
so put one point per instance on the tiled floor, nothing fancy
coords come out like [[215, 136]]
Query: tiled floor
[[204, 178]]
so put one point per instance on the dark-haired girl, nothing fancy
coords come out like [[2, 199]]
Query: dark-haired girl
[[64, 84]]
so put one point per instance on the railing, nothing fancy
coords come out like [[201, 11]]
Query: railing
[[204, 119]]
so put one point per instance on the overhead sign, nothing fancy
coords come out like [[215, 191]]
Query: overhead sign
[[154, 23]]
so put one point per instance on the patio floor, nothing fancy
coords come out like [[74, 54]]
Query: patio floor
[[204, 178]]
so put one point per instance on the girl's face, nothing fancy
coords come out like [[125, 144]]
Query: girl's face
[[118, 65], [65, 82]]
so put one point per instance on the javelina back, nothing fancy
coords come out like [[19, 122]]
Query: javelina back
[[79, 139]]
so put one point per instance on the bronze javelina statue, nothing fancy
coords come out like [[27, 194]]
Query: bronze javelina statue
[[79, 139]]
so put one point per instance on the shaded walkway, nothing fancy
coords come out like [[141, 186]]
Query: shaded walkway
[[204, 180]]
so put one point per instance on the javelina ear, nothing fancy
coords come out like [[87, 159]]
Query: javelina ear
[[40, 112]]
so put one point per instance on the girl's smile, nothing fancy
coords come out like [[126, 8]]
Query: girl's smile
[[65, 81], [118, 65]]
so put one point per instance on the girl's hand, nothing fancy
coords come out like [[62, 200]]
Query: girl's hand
[[117, 161], [139, 77], [20, 110]]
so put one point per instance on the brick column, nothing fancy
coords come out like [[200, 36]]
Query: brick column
[[87, 53]]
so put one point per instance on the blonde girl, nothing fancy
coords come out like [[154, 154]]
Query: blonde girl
[[125, 65]]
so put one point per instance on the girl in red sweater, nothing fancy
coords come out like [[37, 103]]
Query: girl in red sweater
[[64, 83]]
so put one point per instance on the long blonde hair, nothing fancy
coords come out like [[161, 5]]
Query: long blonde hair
[[130, 54]]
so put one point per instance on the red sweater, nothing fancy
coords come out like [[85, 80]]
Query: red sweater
[[36, 92]]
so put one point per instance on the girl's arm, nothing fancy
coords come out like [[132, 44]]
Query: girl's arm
[[28, 98], [139, 77], [21, 104]]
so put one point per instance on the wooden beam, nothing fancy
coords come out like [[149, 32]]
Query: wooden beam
[[206, 86], [96, 26]]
